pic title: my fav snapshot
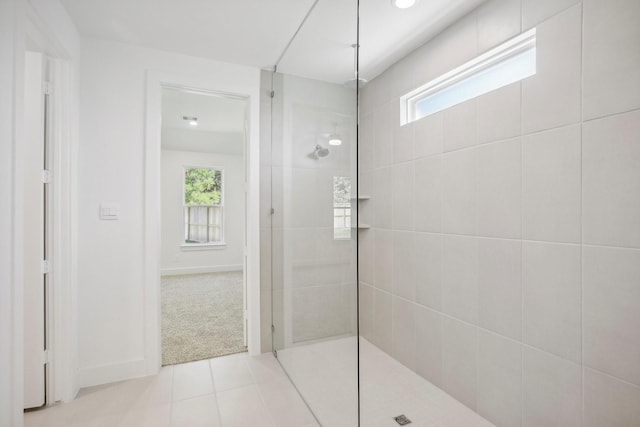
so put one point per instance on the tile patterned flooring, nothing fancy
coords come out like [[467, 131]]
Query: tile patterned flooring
[[236, 390], [240, 390]]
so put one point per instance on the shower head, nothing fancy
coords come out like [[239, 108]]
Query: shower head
[[320, 151]]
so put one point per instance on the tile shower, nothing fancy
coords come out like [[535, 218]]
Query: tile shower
[[502, 265]]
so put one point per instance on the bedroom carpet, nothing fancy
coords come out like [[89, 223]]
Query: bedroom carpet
[[202, 316]]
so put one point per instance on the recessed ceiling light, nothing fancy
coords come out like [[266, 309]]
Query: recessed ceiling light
[[403, 4], [193, 121], [335, 139]]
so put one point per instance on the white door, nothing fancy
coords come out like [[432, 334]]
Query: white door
[[34, 232]]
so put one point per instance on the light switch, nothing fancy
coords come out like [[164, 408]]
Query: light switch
[[109, 211]]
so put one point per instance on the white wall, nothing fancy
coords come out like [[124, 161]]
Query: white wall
[[111, 274], [178, 260], [12, 41], [506, 267]]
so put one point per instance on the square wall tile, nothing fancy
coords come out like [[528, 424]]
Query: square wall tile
[[609, 402], [552, 185], [499, 114], [552, 391], [404, 332], [404, 263], [537, 11], [459, 352], [552, 298], [500, 286], [459, 126], [402, 196], [429, 345], [460, 277], [551, 98], [499, 196], [499, 379], [611, 282], [383, 259], [428, 269], [611, 57], [428, 194], [382, 321], [459, 192], [428, 135], [498, 21], [611, 180], [382, 198], [383, 149]]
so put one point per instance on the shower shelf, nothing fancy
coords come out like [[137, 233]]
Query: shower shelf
[[363, 227], [363, 197]]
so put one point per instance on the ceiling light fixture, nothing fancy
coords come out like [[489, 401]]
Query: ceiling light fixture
[[193, 121], [403, 4], [334, 138]]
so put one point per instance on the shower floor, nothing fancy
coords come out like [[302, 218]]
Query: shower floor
[[324, 374]]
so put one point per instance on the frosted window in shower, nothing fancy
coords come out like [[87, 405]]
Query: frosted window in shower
[[341, 207], [508, 63]]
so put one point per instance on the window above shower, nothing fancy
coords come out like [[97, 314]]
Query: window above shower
[[508, 63]]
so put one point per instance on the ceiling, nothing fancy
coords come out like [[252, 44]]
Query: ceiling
[[256, 32], [221, 122]]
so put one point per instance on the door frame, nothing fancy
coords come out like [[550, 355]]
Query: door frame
[[61, 304], [152, 222]]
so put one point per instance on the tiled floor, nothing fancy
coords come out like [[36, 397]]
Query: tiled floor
[[325, 375], [240, 390], [230, 391]]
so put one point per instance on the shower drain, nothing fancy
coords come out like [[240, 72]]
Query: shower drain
[[402, 420]]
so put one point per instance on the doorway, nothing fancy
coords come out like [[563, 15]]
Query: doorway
[[203, 223]]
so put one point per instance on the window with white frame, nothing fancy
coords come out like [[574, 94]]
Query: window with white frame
[[341, 207], [508, 63], [203, 206]]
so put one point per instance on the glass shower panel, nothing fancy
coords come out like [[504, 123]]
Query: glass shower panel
[[314, 239]]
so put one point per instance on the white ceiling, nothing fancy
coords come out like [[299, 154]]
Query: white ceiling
[[220, 127], [255, 32]]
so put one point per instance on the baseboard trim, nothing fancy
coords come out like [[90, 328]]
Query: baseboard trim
[[200, 270], [111, 373]]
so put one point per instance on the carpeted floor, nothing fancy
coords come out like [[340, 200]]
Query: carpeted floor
[[202, 316]]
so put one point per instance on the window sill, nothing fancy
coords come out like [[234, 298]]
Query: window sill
[[203, 246]]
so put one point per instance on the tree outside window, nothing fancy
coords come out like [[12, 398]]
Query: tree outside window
[[203, 206]]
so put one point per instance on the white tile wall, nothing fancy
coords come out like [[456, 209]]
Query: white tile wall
[[611, 57], [552, 298], [428, 194], [551, 98], [525, 244], [460, 277], [499, 191], [404, 265], [552, 185], [428, 251], [611, 282], [552, 390], [611, 187], [459, 369], [609, 401], [498, 21], [499, 379], [458, 192], [500, 286]]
